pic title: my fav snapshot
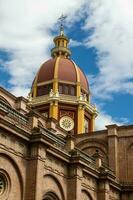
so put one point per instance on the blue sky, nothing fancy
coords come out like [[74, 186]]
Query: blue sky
[[101, 41]]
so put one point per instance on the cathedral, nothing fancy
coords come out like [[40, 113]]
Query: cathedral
[[49, 149]]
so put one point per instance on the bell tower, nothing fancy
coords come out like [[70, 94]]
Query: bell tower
[[60, 90]]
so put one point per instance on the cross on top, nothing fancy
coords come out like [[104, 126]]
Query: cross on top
[[62, 20]]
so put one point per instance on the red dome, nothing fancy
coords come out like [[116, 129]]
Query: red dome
[[63, 69]]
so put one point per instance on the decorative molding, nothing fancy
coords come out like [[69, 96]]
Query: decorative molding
[[55, 166], [87, 186]]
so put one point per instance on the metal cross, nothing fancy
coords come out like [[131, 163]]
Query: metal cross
[[62, 19]]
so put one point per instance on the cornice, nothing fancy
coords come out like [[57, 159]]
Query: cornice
[[14, 129], [61, 98], [42, 134], [12, 111], [8, 93]]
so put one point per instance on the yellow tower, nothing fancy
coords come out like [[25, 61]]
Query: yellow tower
[[60, 90]]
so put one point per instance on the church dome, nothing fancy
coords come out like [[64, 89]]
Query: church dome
[[60, 90], [62, 69], [60, 73]]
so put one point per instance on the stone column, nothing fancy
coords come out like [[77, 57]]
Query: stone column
[[74, 181], [35, 171], [103, 189], [92, 128], [113, 148], [74, 186]]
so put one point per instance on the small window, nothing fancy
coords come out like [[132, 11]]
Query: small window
[[62, 43], [43, 90], [66, 89], [61, 89], [86, 125], [72, 90]]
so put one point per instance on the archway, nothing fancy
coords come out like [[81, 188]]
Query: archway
[[85, 195], [10, 175], [53, 189], [50, 196]]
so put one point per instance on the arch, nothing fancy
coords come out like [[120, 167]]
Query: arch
[[50, 190], [13, 162], [91, 150], [130, 144], [6, 183], [86, 195], [4, 100], [91, 141], [50, 196], [90, 146]]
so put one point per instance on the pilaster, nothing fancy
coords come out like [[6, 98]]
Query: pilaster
[[78, 89], [113, 148], [74, 183], [55, 85], [54, 109], [81, 119], [103, 190], [35, 170]]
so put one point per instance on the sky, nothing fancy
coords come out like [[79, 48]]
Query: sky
[[101, 41]]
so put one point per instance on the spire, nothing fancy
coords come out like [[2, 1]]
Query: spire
[[61, 42], [62, 20]]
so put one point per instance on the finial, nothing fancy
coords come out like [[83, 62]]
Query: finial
[[61, 42], [62, 19]]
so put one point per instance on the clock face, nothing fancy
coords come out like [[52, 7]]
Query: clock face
[[66, 123]]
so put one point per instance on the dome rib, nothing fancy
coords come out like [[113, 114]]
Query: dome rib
[[62, 70], [56, 68], [76, 69], [83, 80]]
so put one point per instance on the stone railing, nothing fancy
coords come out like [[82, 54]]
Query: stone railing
[[69, 98], [14, 116], [126, 183], [57, 97]]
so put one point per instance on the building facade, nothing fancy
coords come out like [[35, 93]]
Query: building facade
[[49, 149]]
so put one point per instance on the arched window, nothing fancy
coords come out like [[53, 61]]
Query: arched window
[[86, 125], [50, 196]]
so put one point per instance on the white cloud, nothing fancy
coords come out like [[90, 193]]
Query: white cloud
[[104, 119], [20, 90], [111, 22], [25, 34], [75, 43]]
